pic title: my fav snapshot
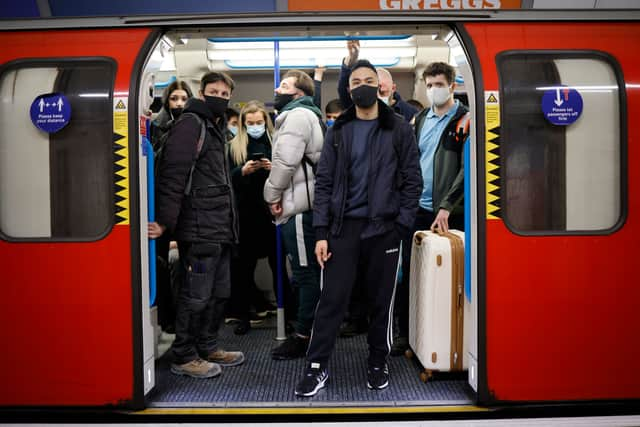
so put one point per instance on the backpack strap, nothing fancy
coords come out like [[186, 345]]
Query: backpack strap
[[200, 143], [462, 127], [307, 161]]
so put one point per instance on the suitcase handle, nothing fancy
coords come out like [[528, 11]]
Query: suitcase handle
[[420, 235]]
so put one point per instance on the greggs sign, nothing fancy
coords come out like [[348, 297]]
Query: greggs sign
[[307, 5]]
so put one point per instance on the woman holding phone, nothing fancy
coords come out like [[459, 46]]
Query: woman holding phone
[[250, 160]]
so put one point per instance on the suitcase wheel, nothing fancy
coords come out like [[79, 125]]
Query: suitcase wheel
[[408, 353], [426, 375]]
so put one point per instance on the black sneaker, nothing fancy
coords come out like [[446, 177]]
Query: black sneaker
[[242, 327], [378, 376], [400, 345], [293, 348], [255, 319], [315, 377]]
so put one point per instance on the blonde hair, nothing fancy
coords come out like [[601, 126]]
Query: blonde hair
[[238, 145]]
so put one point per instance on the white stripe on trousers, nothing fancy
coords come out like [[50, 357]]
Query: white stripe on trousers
[[393, 299], [302, 250]]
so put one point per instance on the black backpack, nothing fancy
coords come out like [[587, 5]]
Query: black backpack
[[159, 148]]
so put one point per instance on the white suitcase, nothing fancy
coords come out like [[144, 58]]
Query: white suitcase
[[437, 304]]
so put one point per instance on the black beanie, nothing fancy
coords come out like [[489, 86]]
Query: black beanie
[[363, 63]]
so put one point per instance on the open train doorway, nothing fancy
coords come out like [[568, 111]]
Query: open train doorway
[[248, 56]]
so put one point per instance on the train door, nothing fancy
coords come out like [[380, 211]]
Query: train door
[[69, 235], [557, 224], [247, 55]]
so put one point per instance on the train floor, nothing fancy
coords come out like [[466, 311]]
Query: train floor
[[261, 381]]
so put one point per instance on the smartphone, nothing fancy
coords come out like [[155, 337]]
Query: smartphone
[[256, 156]]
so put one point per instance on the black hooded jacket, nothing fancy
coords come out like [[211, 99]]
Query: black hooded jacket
[[207, 213], [394, 183]]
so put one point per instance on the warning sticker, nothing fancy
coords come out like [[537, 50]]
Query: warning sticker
[[121, 167], [492, 153]]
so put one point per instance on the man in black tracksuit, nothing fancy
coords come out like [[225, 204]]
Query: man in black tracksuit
[[368, 184], [195, 203]]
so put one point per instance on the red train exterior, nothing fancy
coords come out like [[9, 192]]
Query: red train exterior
[[557, 313]]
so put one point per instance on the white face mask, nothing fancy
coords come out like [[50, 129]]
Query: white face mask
[[438, 95], [256, 131]]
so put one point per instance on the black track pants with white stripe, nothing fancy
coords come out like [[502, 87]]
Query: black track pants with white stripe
[[377, 260]]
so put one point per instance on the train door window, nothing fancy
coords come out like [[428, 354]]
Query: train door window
[[562, 142], [57, 184]]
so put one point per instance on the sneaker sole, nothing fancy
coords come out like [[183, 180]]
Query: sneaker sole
[[320, 386], [377, 388], [211, 374], [240, 361]]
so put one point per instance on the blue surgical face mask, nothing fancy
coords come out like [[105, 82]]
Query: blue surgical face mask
[[233, 130], [385, 99], [330, 122], [255, 131]]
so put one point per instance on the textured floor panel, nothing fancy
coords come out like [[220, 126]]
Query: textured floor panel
[[261, 381]]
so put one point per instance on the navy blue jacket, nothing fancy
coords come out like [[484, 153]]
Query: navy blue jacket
[[395, 180], [401, 107]]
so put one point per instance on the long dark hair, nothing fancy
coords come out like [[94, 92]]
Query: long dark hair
[[176, 85]]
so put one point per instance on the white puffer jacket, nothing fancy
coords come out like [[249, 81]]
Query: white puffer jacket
[[297, 133]]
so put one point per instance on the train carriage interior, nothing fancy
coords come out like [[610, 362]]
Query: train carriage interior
[[248, 57]]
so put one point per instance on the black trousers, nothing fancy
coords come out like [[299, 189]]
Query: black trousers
[[424, 219], [166, 298], [377, 260], [201, 299], [244, 290]]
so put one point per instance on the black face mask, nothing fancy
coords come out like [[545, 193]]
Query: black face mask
[[281, 100], [216, 105], [175, 113], [364, 96]]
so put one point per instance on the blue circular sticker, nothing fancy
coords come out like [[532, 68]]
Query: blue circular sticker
[[50, 112], [562, 105]]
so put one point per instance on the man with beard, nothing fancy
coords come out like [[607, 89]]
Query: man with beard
[[289, 191], [195, 203], [368, 184]]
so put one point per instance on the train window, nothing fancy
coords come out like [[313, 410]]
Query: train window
[[57, 185], [562, 139]]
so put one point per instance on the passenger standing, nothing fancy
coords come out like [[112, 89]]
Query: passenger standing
[[331, 111], [289, 190], [441, 151], [386, 91], [250, 159], [174, 98], [357, 322], [195, 203], [232, 117], [367, 190]]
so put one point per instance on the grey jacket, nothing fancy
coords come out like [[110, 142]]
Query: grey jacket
[[297, 133]]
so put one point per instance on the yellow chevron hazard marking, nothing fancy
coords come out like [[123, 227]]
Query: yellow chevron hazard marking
[[492, 153], [121, 159]]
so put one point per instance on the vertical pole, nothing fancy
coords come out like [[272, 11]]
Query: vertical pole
[[281, 331], [147, 150]]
